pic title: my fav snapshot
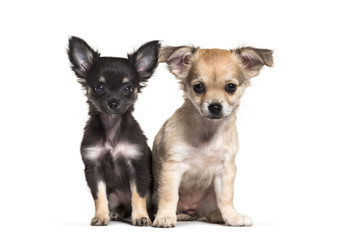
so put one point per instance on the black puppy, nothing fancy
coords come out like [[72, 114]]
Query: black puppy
[[116, 156]]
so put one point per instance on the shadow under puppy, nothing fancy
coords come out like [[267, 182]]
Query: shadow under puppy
[[116, 156], [194, 152]]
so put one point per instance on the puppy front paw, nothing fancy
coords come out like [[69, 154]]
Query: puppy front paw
[[100, 220], [165, 222], [142, 221], [238, 221]]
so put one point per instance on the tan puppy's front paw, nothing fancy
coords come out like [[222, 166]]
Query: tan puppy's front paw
[[165, 222], [238, 221], [142, 221], [100, 220]]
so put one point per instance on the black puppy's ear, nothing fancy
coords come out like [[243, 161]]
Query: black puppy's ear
[[253, 59], [81, 56], [178, 59], [145, 59]]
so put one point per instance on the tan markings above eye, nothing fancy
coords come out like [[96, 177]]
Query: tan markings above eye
[[233, 81], [101, 79]]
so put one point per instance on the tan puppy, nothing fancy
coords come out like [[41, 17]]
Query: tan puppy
[[194, 152]]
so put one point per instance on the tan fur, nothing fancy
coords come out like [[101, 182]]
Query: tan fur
[[185, 217], [139, 212], [216, 68], [101, 217], [193, 155]]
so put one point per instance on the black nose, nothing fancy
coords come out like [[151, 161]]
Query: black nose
[[113, 104], [215, 108]]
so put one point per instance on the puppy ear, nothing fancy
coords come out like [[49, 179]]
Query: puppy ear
[[145, 59], [81, 56], [178, 59], [253, 59]]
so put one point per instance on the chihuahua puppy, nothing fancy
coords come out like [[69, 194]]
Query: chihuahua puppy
[[194, 152], [116, 156]]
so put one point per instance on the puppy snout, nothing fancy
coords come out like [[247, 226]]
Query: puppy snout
[[215, 108], [113, 104]]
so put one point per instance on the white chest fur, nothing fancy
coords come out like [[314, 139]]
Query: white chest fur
[[214, 152], [201, 164], [121, 150]]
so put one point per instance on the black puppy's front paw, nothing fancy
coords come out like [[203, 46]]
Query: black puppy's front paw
[[100, 221]]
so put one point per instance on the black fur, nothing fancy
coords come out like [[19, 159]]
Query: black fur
[[110, 117]]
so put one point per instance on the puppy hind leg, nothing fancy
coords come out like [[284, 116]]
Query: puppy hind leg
[[215, 217], [117, 209], [117, 213], [185, 217]]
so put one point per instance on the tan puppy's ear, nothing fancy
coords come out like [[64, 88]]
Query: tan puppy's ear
[[178, 59], [253, 59]]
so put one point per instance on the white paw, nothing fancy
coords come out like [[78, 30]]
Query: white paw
[[142, 221], [238, 221], [165, 222]]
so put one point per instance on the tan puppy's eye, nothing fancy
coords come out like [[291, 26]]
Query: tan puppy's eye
[[199, 88], [230, 88]]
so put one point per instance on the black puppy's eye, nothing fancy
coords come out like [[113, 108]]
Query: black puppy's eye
[[99, 87], [199, 88], [230, 88], [128, 90]]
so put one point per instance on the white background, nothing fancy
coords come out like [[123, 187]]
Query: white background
[[287, 121]]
